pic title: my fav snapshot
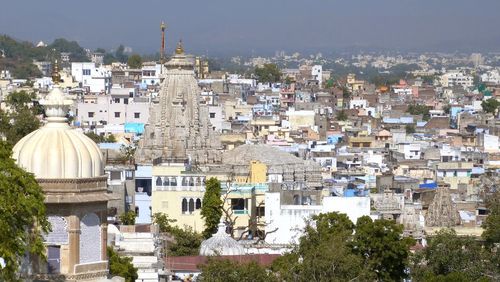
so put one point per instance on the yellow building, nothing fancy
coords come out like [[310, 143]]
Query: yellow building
[[178, 192]]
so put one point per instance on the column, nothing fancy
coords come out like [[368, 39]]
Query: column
[[74, 242]]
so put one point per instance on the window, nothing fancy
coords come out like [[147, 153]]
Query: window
[[86, 71], [184, 205], [116, 175], [158, 181], [117, 100], [117, 114], [137, 115], [125, 101], [260, 211], [191, 206], [238, 204], [91, 114], [212, 115], [198, 204]]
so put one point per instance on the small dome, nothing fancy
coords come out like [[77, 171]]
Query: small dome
[[221, 244], [56, 150]]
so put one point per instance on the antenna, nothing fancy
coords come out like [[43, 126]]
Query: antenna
[[162, 48]]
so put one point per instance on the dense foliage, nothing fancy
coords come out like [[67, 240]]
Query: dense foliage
[[22, 215], [128, 218], [491, 224], [418, 109], [217, 269], [449, 257], [491, 105], [21, 119], [211, 207], [268, 73], [186, 242], [77, 53], [121, 266], [134, 61]]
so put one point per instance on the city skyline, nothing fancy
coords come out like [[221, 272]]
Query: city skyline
[[224, 27]]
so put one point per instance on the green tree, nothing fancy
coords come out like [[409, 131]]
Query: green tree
[[382, 247], [110, 138], [491, 105], [268, 73], [449, 255], [410, 128], [128, 153], [22, 120], [417, 109], [134, 61], [323, 253], [223, 270], [211, 207], [491, 224], [77, 53], [128, 218], [120, 54], [186, 242], [121, 266], [96, 138], [341, 115], [22, 215], [163, 222]]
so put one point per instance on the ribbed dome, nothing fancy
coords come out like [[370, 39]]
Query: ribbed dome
[[221, 244], [56, 150]]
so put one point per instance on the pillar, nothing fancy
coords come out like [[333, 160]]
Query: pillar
[[74, 242]]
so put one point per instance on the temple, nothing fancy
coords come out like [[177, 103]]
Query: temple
[[179, 129]]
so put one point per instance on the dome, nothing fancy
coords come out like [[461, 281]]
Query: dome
[[56, 150], [221, 244]]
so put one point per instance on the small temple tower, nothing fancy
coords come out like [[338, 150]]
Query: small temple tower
[[69, 167]]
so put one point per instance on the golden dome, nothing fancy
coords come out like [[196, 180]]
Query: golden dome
[[180, 49]]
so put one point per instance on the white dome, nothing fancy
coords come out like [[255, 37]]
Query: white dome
[[56, 150], [221, 244]]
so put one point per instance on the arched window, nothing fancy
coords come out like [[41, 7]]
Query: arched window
[[198, 204], [184, 205], [173, 181], [296, 200], [184, 181], [191, 181], [191, 205], [165, 181], [158, 181]]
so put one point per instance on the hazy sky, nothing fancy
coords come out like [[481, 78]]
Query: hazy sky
[[237, 26]]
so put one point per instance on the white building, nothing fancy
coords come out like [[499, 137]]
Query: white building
[[113, 109], [456, 78], [317, 73], [96, 79], [151, 74], [290, 220], [492, 76]]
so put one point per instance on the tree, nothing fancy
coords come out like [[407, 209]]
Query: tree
[[211, 207], [417, 109], [491, 224], [96, 138], [491, 105], [449, 255], [110, 138], [322, 253], [382, 248], [186, 242], [77, 53], [134, 61], [121, 266], [163, 222], [22, 120], [268, 73], [410, 129], [128, 218], [22, 215], [341, 116], [128, 153], [120, 54], [217, 269]]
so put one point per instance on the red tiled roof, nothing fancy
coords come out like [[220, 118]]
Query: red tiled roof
[[192, 263]]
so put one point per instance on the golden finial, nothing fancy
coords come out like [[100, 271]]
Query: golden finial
[[180, 49], [56, 77]]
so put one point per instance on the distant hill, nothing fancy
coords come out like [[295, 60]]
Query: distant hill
[[18, 56]]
